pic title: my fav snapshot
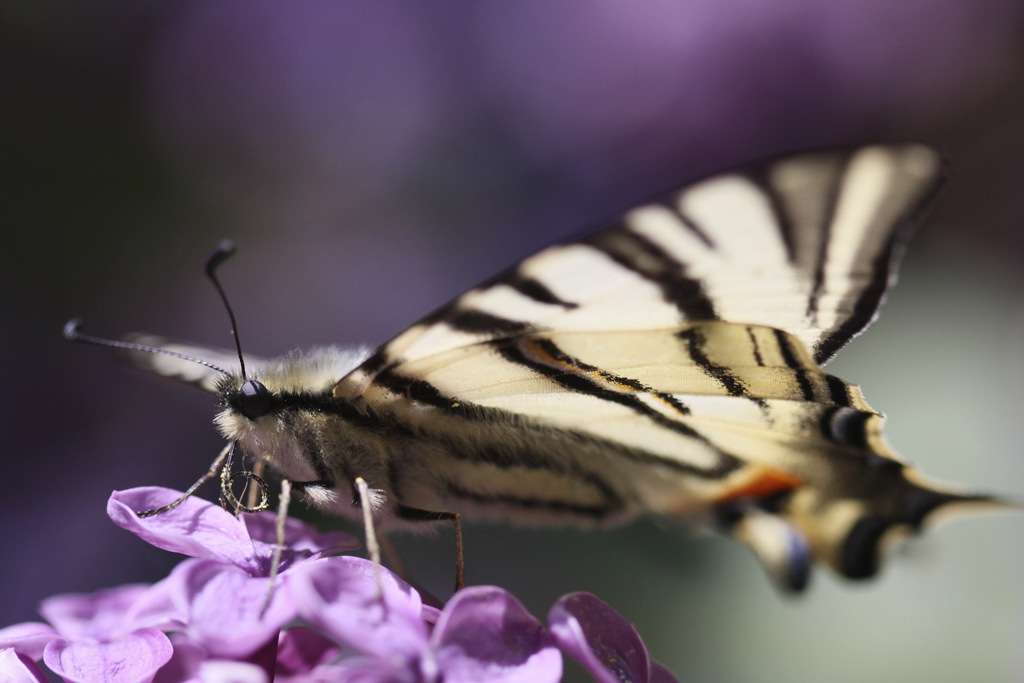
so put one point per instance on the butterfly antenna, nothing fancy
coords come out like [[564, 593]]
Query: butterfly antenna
[[73, 332], [224, 251]]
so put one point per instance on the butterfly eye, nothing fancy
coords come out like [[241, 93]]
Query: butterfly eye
[[254, 399]]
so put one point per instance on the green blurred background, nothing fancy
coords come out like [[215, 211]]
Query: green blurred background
[[372, 160]]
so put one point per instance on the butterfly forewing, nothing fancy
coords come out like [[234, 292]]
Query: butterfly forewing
[[805, 244]]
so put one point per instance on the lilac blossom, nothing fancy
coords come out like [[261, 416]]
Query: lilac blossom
[[329, 618], [93, 638], [483, 633], [231, 557], [595, 635], [19, 668]]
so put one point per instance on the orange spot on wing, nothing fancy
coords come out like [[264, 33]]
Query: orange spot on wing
[[760, 483]]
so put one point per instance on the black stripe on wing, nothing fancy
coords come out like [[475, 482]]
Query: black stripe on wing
[[868, 303], [642, 256], [545, 358], [426, 393], [536, 290], [790, 359], [696, 346], [784, 223], [479, 322], [755, 347], [837, 392], [882, 268]]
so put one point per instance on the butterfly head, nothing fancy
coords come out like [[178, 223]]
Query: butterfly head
[[277, 410], [254, 399]]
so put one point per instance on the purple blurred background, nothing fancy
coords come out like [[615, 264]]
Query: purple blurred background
[[373, 160]]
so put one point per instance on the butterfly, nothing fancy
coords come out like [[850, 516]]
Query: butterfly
[[667, 365]]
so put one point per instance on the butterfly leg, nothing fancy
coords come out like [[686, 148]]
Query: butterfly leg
[[210, 474], [253, 494], [417, 515], [284, 500], [366, 503]]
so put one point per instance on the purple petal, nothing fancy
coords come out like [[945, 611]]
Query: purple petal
[[15, 668], [597, 636], [660, 674], [183, 666], [132, 659], [225, 607], [356, 669], [28, 638], [196, 527], [299, 650], [430, 614], [338, 594], [486, 634], [359, 670], [297, 535], [157, 608], [215, 671], [100, 615]]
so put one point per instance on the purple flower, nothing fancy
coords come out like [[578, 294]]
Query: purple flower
[[94, 638], [29, 638], [595, 635], [18, 668], [220, 597], [483, 633], [301, 654], [201, 529], [328, 619]]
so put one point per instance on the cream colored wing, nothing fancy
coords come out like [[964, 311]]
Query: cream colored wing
[[807, 244], [183, 367]]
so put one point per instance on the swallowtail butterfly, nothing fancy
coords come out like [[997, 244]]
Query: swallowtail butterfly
[[667, 365]]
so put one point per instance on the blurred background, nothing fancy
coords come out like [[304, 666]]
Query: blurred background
[[373, 160]]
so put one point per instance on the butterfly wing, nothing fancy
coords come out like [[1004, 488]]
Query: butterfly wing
[[183, 366], [806, 244], [670, 364]]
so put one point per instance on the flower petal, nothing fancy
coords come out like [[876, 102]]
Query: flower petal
[[183, 666], [300, 649], [225, 607], [157, 608], [298, 535], [132, 659], [215, 671], [15, 668], [597, 636], [99, 615], [339, 595], [195, 527], [484, 633], [28, 638], [357, 669]]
